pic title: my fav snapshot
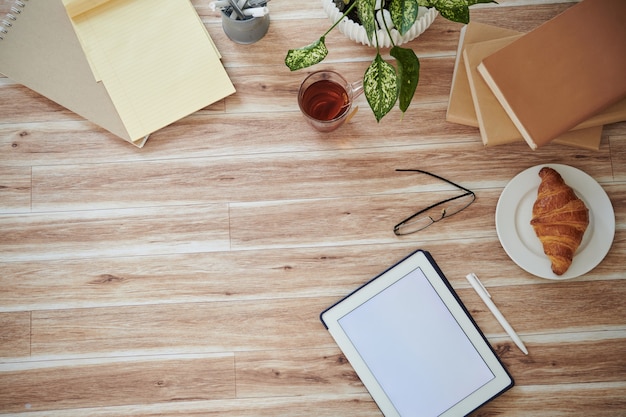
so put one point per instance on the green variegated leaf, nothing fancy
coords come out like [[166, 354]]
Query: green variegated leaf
[[305, 57], [365, 9], [455, 10], [473, 2], [408, 74], [403, 14], [380, 84]]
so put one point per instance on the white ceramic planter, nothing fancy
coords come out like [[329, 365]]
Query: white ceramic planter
[[357, 33]]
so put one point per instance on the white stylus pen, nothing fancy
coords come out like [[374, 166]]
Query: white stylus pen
[[484, 294]]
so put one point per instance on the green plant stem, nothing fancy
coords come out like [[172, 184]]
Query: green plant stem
[[348, 10], [386, 27]]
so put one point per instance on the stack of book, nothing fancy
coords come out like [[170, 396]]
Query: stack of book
[[131, 67], [558, 83]]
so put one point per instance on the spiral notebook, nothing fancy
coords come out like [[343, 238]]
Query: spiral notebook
[[129, 66]]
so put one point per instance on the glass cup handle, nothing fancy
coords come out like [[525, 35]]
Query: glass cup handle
[[357, 89]]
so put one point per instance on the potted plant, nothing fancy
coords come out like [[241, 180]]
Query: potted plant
[[351, 25], [384, 85]]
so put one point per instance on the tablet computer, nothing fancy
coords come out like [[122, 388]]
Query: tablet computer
[[414, 345]]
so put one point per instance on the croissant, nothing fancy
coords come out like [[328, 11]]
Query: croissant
[[559, 219]]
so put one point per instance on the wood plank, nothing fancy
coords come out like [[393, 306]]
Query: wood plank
[[295, 373], [242, 275], [14, 334], [180, 328], [618, 156], [341, 221], [209, 135], [115, 232], [527, 14], [618, 200], [16, 98], [615, 129], [59, 385], [327, 406], [562, 363], [602, 400], [78, 142], [280, 10], [15, 189], [48, 144], [273, 177], [42, 144], [197, 277], [28, 144]]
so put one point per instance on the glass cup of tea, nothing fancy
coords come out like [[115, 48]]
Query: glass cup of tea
[[325, 99]]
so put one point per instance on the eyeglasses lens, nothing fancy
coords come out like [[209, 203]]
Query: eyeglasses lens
[[434, 214]]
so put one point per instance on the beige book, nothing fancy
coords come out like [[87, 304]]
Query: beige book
[[131, 67], [562, 73], [496, 127], [460, 105]]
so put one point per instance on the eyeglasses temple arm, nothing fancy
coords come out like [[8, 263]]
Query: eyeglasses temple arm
[[436, 176]]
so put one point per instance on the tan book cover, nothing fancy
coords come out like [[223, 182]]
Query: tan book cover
[[496, 127], [562, 73], [130, 67], [460, 105]]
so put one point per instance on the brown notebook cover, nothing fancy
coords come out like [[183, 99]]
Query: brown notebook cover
[[496, 127], [563, 72], [460, 105]]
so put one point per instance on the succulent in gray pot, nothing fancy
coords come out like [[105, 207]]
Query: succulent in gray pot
[[384, 84]]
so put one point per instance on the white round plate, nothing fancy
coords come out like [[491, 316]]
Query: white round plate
[[514, 211]]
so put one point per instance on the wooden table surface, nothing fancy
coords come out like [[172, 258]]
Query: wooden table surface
[[186, 278]]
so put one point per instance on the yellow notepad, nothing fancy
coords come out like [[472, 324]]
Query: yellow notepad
[[130, 66]]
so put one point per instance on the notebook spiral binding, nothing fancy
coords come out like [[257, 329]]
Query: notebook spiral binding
[[7, 22]]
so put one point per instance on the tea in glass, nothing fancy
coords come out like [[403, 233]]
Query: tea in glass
[[325, 99]]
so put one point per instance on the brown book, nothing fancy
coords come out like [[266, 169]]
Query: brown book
[[562, 73], [460, 105], [496, 127]]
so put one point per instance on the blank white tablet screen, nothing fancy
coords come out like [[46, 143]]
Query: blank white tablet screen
[[414, 347]]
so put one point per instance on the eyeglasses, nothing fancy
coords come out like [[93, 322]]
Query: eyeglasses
[[436, 212]]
